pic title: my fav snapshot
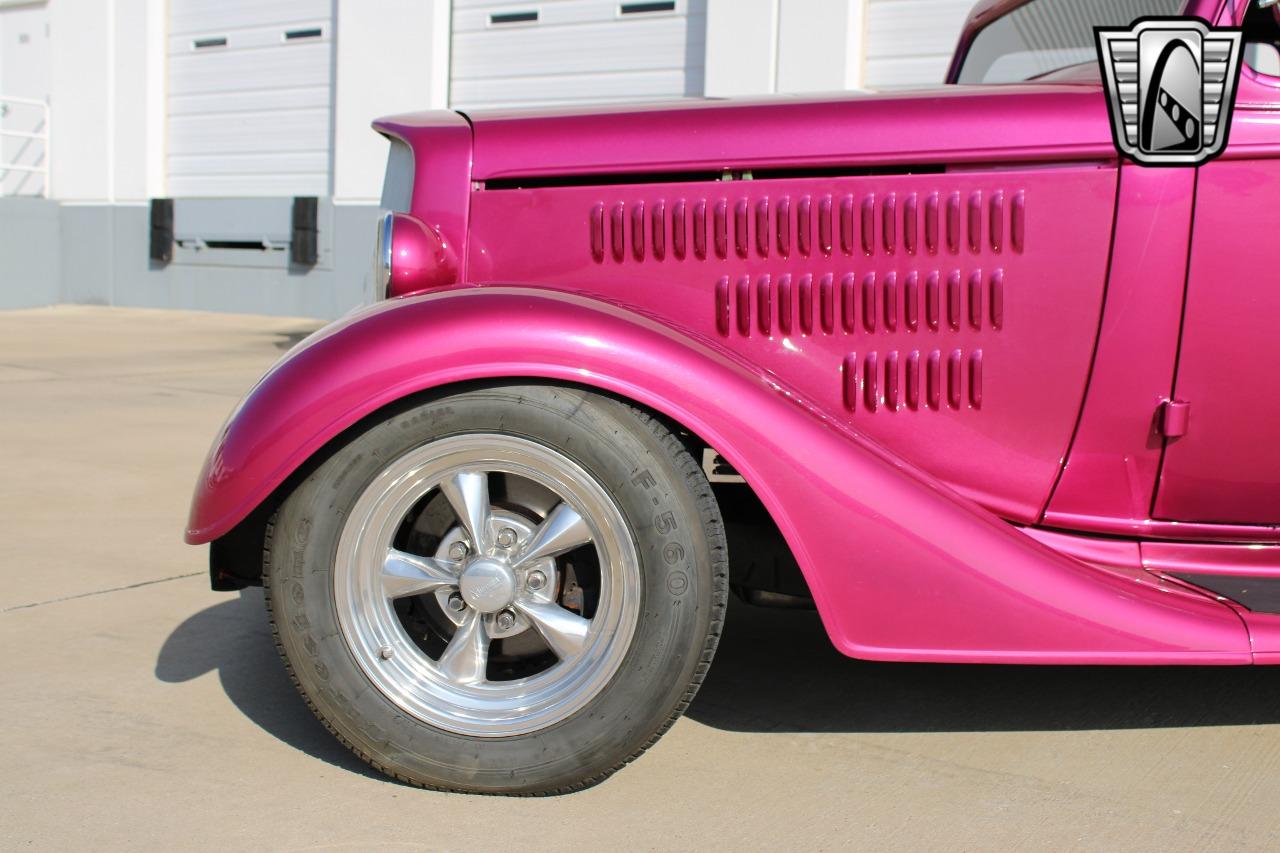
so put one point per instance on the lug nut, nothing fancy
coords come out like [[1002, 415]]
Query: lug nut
[[456, 604], [536, 581], [457, 550], [506, 620], [386, 652], [506, 537]]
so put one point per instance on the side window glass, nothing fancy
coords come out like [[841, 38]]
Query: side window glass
[[1262, 41]]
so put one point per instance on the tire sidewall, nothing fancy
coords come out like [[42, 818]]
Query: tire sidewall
[[682, 595]]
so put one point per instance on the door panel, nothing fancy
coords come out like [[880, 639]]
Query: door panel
[[950, 316], [1227, 467], [1111, 475]]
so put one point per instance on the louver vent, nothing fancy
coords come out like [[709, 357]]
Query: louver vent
[[785, 226], [913, 380], [860, 303]]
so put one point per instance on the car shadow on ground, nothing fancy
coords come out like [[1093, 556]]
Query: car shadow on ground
[[285, 341], [233, 639], [776, 671]]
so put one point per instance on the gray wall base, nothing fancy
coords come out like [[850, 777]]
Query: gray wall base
[[30, 251], [98, 255]]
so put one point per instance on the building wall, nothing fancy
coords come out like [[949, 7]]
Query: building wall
[[757, 47], [29, 253], [103, 260], [106, 81], [392, 57], [106, 78], [24, 73], [107, 123]]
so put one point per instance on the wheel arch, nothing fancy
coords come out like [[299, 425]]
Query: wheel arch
[[235, 529], [235, 559]]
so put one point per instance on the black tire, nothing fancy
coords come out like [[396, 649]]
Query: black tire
[[650, 476]]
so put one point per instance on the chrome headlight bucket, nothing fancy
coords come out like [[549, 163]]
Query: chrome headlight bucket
[[411, 257], [382, 258]]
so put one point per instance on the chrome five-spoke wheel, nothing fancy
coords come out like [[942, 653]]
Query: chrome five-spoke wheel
[[520, 612]]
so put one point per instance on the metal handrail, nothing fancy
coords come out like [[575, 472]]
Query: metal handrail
[[41, 135]]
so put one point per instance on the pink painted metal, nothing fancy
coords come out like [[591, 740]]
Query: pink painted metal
[[1112, 469], [1225, 470], [441, 193], [1222, 470], [953, 125], [942, 314], [901, 567], [421, 259], [1121, 557], [929, 326]]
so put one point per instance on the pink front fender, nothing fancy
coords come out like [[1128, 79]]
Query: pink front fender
[[901, 567]]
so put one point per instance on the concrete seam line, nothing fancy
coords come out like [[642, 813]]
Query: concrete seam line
[[99, 592]]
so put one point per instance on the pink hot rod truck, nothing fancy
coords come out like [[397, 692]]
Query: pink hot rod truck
[[943, 363]]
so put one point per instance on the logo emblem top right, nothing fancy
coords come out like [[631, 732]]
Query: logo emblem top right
[[1171, 86]]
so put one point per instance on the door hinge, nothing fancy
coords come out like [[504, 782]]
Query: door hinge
[[1174, 417]]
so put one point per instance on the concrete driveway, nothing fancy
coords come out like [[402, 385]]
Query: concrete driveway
[[142, 711]]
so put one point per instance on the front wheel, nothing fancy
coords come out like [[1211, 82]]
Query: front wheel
[[509, 590]]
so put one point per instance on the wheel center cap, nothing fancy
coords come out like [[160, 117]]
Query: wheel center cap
[[488, 585]]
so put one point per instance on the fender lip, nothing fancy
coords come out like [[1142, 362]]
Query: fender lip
[[323, 373], [202, 526]]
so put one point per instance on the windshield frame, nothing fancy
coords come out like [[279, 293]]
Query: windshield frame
[[987, 12]]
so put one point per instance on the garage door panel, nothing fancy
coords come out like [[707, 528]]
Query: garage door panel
[[302, 130], [908, 71], [579, 51], [253, 163], [908, 27], [295, 33], [910, 42], [252, 186], [187, 17], [473, 17], [232, 71], [250, 116], [576, 88], [640, 45], [249, 101]]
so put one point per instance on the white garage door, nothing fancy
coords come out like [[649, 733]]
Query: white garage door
[[575, 51], [249, 97], [910, 42]]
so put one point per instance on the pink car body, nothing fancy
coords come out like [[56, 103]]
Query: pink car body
[[1007, 398]]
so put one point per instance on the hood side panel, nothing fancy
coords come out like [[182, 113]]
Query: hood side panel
[[947, 125]]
